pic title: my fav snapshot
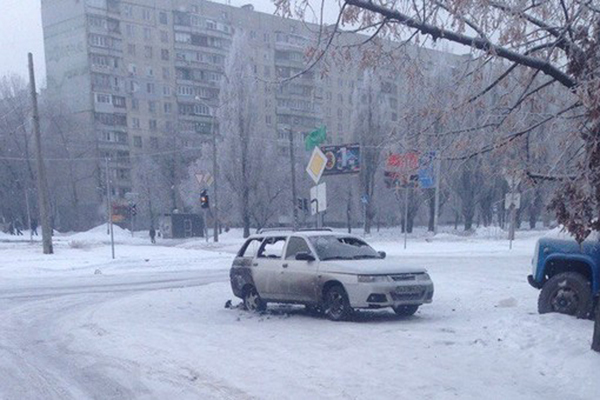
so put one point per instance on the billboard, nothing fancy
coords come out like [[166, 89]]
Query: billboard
[[342, 159], [411, 169]]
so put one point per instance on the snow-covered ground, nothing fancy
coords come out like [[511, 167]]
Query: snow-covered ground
[[151, 324]]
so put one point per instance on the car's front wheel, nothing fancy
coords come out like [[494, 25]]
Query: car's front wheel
[[252, 300], [406, 311], [336, 304], [566, 293]]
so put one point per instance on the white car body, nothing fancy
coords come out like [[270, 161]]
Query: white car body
[[368, 283]]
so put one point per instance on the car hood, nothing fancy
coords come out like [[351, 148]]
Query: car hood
[[369, 267]]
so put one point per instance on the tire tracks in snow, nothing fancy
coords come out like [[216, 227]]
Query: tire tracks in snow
[[37, 358]]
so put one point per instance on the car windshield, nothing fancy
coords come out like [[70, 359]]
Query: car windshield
[[342, 248]]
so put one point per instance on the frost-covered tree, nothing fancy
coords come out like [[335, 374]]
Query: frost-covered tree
[[556, 43], [248, 156], [372, 129]]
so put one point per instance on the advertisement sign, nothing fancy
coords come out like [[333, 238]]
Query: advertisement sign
[[342, 159], [411, 169], [402, 170]]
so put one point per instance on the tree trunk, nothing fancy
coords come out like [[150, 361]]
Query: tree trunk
[[349, 212], [468, 221], [431, 203]]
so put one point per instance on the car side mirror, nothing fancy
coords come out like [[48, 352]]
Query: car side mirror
[[382, 254], [305, 257]]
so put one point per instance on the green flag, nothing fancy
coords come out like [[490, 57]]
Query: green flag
[[315, 138]]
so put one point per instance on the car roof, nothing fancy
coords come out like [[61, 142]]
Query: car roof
[[303, 233]]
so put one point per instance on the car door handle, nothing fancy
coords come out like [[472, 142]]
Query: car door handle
[[285, 265]]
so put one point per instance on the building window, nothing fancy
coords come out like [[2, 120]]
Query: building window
[[132, 68], [147, 14], [166, 91], [119, 102], [130, 30], [149, 72], [135, 123], [164, 36], [137, 141], [135, 104], [152, 107], [162, 18], [166, 73], [153, 125], [131, 49], [148, 53], [127, 10], [183, 37], [103, 98], [268, 119], [150, 88], [147, 34], [168, 108], [164, 54]]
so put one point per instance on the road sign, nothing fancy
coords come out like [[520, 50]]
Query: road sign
[[205, 178], [427, 170], [315, 138], [342, 159], [318, 198], [512, 199], [316, 165]]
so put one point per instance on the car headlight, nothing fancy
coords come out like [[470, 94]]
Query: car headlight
[[372, 278], [423, 277]]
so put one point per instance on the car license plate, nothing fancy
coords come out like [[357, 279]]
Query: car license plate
[[408, 289]]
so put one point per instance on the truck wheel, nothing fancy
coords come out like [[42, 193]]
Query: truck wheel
[[336, 305], [252, 300], [566, 293], [406, 311]]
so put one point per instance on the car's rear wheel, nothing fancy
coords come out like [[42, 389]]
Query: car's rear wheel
[[336, 304], [252, 300], [566, 293], [406, 311]]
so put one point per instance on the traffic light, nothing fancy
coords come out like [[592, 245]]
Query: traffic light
[[133, 209], [204, 199]]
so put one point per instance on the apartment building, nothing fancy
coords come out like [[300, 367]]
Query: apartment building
[[143, 76]]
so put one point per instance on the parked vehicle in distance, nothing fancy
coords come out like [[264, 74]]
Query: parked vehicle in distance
[[333, 272], [568, 274]]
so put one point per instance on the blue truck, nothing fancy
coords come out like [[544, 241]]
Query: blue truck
[[568, 274]]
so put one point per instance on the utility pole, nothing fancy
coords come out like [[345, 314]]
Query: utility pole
[[436, 207], [215, 180], [41, 168], [294, 196], [110, 214], [405, 216]]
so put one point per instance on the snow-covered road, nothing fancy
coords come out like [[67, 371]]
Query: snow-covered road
[[152, 325], [40, 322]]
